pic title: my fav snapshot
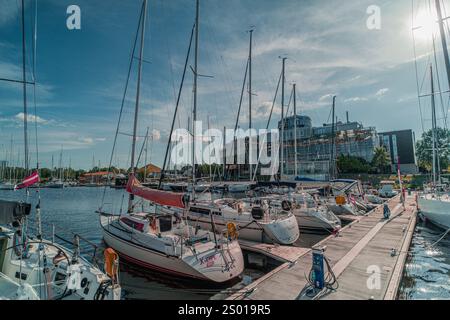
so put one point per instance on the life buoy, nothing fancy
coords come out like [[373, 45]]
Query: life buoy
[[111, 263], [232, 230], [340, 200]]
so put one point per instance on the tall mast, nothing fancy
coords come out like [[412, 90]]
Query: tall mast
[[282, 115], [433, 113], [194, 165], [295, 129], [11, 161], [333, 141], [93, 167], [443, 39], [60, 165], [138, 94], [24, 80], [209, 158], [250, 103], [146, 155]]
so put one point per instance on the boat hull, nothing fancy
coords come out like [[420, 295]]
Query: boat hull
[[283, 231], [314, 221], [187, 267], [436, 211], [342, 209]]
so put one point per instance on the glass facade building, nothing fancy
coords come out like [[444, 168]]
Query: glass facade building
[[314, 145]]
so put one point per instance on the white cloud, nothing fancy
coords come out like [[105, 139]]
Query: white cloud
[[382, 92], [86, 140], [326, 97], [356, 99], [31, 118]]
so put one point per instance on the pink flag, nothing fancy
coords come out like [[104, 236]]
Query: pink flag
[[29, 181]]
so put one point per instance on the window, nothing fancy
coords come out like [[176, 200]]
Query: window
[[205, 212], [395, 149], [133, 224]]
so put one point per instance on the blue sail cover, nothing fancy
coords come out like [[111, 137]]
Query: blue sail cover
[[11, 211]]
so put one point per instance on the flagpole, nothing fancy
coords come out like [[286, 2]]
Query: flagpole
[[402, 195]]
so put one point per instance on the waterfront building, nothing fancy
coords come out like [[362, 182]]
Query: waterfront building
[[401, 147], [314, 146]]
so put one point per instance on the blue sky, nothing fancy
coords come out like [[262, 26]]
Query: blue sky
[[81, 74]]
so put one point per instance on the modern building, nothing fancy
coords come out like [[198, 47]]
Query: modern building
[[314, 146], [401, 147]]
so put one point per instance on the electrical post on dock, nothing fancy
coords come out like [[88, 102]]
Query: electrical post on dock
[[318, 268]]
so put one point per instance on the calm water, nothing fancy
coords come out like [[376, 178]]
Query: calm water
[[427, 274]]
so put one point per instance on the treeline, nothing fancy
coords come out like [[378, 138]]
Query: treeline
[[17, 173], [381, 163]]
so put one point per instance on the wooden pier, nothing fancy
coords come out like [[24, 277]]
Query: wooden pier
[[367, 245], [281, 253]]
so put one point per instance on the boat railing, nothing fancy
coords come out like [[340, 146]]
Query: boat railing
[[73, 243]]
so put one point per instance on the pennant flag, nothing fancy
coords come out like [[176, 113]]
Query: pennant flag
[[29, 181]]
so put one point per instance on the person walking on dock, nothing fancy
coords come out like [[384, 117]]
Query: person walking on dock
[[386, 211]]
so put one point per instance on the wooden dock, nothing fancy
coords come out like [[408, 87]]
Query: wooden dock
[[368, 244], [277, 252]]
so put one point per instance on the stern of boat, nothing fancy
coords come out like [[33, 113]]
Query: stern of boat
[[283, 231], [219, 265]]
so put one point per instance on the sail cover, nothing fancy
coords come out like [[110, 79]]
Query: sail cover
[[163, 198], [12, 211]]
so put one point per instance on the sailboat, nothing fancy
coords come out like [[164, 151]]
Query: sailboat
[[310, 214], [38, 269], [161, 239], [9, 185], [33, 268], [58, 182], [434, 204]]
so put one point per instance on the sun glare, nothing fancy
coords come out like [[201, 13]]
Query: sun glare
[[425, 25]]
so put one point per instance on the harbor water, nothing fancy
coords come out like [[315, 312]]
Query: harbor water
[[72, 210], [427, 270]]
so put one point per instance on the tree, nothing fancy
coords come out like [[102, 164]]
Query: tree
[[348, 164], [424, 149], [381, 160]]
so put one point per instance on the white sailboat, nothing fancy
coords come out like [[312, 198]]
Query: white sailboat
[[162, 240], [33, 269], [255, 223], [58, 182], [434, 204], [9, 185], [309, 213]]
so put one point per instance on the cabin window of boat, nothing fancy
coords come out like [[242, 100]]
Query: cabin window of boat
[[217, 213], [201, 211], [165, 224], [133, 224]]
